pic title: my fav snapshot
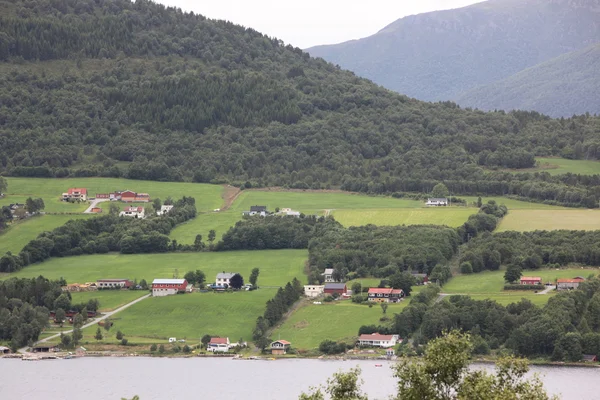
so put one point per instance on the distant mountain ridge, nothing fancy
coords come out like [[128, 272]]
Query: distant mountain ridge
[[561, 87], [441, 55]]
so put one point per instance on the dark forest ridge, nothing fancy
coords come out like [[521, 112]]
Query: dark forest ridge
[[443, 54], [138, 90]]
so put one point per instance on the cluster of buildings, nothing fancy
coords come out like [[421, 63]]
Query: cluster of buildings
[[561, 284], [263, 212], [19, 211], [223, 345], [126, 196]]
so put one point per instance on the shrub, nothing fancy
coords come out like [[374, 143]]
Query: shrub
[[331, 347], [124, 342], [466, 268], [524, 287], [153, 347], [161, 348], [187, 349]]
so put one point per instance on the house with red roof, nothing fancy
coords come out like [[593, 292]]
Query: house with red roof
[[385, 295], [280, 347], [569, 284], [218, 345], [75, 194], [531, 280], [378, 340]]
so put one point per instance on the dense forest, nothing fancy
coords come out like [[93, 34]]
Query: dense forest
[[137, 90], [102, 235], [564, 329]]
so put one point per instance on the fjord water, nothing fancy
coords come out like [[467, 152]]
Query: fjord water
[[223, 378]]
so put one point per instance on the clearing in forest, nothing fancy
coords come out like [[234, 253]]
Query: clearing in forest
[[532, 220]]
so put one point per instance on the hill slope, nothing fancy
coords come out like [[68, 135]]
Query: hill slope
[[561, 87], [137, 90], [442, 54]]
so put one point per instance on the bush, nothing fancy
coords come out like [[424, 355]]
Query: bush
[[524, 287], [161, 348], [187, 349], [124, 342], [466, 268], [328, 299], [331, 347], [153, 347]]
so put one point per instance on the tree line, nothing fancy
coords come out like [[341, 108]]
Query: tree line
[[243, 107], [104, 234]]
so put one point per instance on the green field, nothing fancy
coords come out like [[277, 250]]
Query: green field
[[203, 223], [556, 166], [208, 197], [277, 267], [339, 321], [190, 317], [450, 216], [20, 233], [531, 220], [109, 299], [489, 284]]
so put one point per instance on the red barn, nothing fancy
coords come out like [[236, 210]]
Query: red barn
[[335, 288], [128, 196], [165, 287], [531, 280]]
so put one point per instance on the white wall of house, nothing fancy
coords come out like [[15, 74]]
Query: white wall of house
[[380, 343], [313, 290], [159, 292]]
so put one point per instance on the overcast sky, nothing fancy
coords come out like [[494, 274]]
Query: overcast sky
[[307, 23]]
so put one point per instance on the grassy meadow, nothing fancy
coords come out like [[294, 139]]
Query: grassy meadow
[[190, 317], [208, 197], [555, 166], [203, 223], [308, 326], [277, 267], [532, 220], [20, 233], [450, 216], [513, 204], [109, 299]]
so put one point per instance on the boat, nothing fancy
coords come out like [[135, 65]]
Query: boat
[[378, 365]]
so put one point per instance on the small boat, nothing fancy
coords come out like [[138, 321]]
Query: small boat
[[379, 365]]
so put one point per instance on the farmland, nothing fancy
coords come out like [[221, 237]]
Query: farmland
[[208, 197], [191, 316], [109, 299], [450, 216], [20, 233], [555, 166], [277, 267], [338, 321], [531, 220], [513, 204]]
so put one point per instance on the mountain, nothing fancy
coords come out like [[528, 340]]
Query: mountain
[[441, 55], [137, 90], [561, 87]]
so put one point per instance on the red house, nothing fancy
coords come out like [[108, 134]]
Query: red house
[[335, 288], [385, 295], [531, 280], [128, 196], [166, 287]]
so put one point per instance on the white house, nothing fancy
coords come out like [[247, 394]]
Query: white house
[[135, 212], [437, 202], [377, 340], [218, 345], [164, 210], [328, 275], [289, 212], [223, 278], [113, 283], [313, 290]]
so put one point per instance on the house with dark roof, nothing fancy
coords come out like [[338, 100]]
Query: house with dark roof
[[280, 347], [257, 210], [335, 288]]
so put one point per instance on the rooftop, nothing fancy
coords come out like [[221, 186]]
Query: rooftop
[[109, 280], [531, 278], [328, 271], [375, 336], [335, 286], [575, 280], [385, 290], [219, 340], [225, 275], [168, 281], [282, 342]]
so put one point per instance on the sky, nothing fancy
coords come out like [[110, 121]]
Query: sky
[[307, 23]]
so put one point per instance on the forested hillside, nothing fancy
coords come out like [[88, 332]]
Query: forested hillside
[[564, 86], [441, 55], [134, 89]]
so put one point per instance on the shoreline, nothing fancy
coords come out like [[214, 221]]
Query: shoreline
[[266, 357]]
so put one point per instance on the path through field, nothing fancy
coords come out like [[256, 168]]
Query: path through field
[[93, 322]]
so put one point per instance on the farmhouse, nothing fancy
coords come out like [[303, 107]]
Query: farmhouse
[[75, 194], [280, 347], [385, 295], [164, 210], [218, 345], [113, 283], [377, 340], [313, 290], [328, 275], [135, 212], [127, 196], [223, 278], [531, 280], [568, 284], [437, 202], [335, 288], [257, 210], [166, 287], [289, 212]]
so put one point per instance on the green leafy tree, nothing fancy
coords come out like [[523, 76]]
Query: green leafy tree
[[144, 284], [124, 341], [62, 302], [114, 209], [60, 316], [153, 347], [205, 340], [77, 335], [65, 340], [107, 324], [212, 235], [98, 335], [198, 244], [236, 281], [119, 335], [254, 276], [341, 386], [3, 185], [356, 288], [402, 280], [78, 320], [513, 273], [440, 190], [156, 204], [161, 348], [384, 307]]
